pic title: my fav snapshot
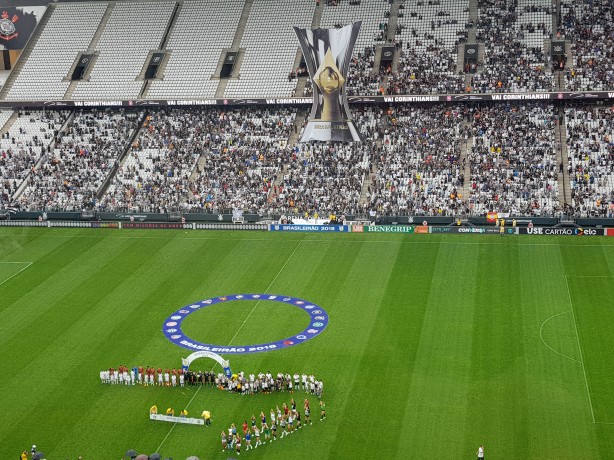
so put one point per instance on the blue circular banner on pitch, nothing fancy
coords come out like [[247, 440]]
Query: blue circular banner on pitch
[[172, 325]]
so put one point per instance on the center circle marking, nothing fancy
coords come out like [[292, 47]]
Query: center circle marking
[[317, 323]]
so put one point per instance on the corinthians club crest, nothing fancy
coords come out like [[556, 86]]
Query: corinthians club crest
[[7, 26], [327, 54]]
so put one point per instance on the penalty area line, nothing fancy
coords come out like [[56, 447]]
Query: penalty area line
[[235, 336], [575, 323], [544, 342]]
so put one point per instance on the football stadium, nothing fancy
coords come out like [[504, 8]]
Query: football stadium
[[381, 225]]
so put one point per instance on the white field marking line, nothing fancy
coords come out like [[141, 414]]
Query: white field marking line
[[544, 342], [477, 243], [266, 290], [588, 391], [592, 276], [235, 336], [15, 274]]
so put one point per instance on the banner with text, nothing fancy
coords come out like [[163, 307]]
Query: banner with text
[[172, 419], [388, 229], [565, 231], [308, 228]]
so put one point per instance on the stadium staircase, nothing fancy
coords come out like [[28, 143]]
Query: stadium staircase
[[393, 21], [169, 29], [92, 48], [464, 155], [299, 121], [25, 55], [122, 158], [473, 19], [9, 123], [471, 38], [42, 159], [562, 157], [236, 43], [200, 166], [367, 180], [293, 138]]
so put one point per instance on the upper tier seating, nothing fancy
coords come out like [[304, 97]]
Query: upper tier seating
[[202, 30], [589, 24], [513, 32], [69, 32], [429, 33], [133, 30], [270, 48]]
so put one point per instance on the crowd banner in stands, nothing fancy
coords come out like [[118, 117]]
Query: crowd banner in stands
[[298, 101], [562, 231], [16, 27], [328, 53], [308, 228]]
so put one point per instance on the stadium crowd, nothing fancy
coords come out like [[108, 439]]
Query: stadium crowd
[[512, 63], [439, 159], [513, 160], [589, 24], [419, 168], [83, 157], [22, 147], [432, 71], [590, 152]]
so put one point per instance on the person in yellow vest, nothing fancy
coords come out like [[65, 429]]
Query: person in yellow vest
[[183, 413], [502, 227], [207, 416], [170, 412], [497, 223], [153, 409], [514, 223]]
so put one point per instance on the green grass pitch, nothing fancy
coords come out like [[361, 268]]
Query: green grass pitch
[[436, 344]]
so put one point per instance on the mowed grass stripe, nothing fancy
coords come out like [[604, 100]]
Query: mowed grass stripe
[[11, 243], [438, 385], [497, 409], [387, 354]]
